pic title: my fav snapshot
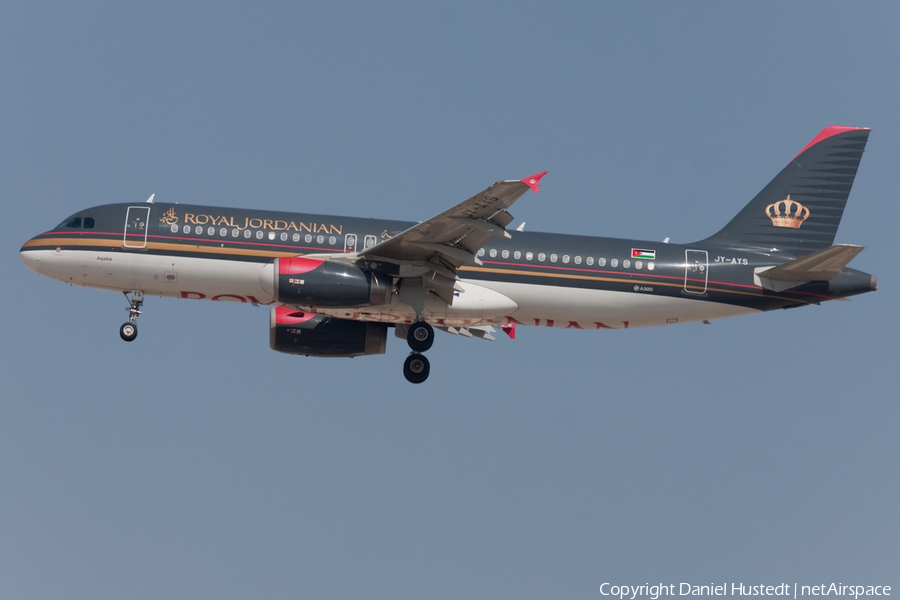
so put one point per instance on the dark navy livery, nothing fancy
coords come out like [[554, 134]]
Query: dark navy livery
[[336, 285]]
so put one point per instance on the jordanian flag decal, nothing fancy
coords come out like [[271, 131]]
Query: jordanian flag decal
[[645, 254]]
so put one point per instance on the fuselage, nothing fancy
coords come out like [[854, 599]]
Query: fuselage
[[533, 279]]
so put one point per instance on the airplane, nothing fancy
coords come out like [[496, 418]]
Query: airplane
[[336, 285]]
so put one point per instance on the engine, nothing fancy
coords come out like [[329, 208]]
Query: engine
[[309, 282], [295, 332]]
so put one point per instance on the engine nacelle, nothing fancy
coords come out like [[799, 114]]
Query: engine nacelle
[[327, 284], [295, 332]]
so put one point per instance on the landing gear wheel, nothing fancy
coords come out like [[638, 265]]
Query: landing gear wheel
[[416, 368], [420, 336], [128, 331]]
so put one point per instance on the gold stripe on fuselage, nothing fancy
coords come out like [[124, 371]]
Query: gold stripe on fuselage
[[594, 278], [182, 247], [230, 251]]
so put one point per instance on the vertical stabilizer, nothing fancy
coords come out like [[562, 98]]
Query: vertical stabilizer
[[800, 210]]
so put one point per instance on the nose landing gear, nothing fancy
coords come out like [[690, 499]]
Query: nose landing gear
[[420, 338], [128, 331]]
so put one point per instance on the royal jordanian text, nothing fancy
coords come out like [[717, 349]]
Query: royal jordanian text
[[741, 589], [248, 223]]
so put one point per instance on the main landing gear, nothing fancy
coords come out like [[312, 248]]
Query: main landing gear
[[420, 338], [128, 330], [416, 368]]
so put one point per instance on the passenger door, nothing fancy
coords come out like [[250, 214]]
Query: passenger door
[[696, 271], [136, 220]]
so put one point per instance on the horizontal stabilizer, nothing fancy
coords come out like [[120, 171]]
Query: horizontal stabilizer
[[821, 265]]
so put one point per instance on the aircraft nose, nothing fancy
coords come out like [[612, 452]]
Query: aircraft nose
[[29, 259]]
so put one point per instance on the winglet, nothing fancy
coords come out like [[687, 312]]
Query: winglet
[[533, 181]]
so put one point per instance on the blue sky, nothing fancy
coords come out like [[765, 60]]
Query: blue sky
[[197, 463]]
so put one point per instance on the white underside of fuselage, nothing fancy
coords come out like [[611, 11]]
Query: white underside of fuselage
[[481, 302]]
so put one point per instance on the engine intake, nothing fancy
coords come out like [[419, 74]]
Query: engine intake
[[310, 282], [295, 332]]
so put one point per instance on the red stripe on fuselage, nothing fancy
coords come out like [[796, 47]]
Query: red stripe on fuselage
[[647, 275], [187, 241]]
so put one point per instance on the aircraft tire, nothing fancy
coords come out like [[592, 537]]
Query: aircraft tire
[[420, 336], [128, 331], [416, 368]]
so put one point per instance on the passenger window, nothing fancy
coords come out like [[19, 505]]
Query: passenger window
[[223, 232], [320, 239], [271, 235], [517, 255], [296, 237], [308, 239], [187, 229], [638, 264], [493, 253], [650, 266], [247, 233], [565, 259], [174, 228], [601, 262], [505, 254], [283, 237], [590, 260], [198, 230], [235, 232], [553, 258], [541, 257], [259, 235], [211, 231], [626, 263], [613, 263], [577, 260], [332, 240], [529, 256]]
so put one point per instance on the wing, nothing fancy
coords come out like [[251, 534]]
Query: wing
[[436, 248]]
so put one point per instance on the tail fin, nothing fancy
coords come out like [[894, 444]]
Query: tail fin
[[800, 210]]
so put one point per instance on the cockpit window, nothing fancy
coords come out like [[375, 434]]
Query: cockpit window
[[74, 222], [88, 222]]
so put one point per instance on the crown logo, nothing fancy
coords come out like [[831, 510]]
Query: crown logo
[[787, 213]]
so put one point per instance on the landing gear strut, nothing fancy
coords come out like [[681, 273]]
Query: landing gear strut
[[420, 338], [128, 331]]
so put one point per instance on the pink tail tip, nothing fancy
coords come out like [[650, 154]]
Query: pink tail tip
[[827, 133]]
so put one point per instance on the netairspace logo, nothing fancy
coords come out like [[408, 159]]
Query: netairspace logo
[[654, 592]]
